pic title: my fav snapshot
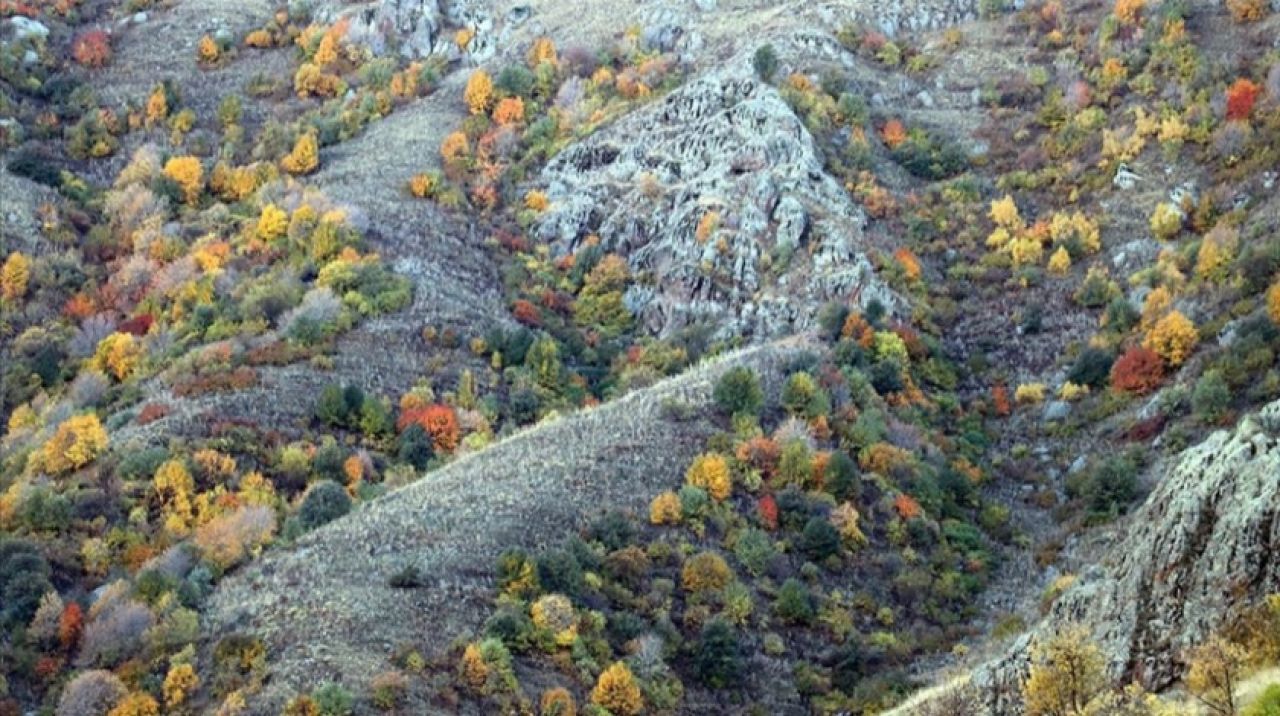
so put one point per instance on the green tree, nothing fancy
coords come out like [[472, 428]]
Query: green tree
[[718, 655], [738, 392]]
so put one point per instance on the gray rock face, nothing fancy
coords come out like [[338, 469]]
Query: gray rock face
[[418, 28], [787, 239], [1199, 549]]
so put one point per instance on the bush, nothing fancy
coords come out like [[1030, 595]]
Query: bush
[[718, 655], [91, 693], [705, 571], [1139, 370], [324, 502], [333, 700], [794, 604], [414, 447], [1092, 368], [754, 549], [1268, 704], [559, 571], [1211, 397], [738, 392], [24, 580], [765, 62], [819, 539], [1112, 486]]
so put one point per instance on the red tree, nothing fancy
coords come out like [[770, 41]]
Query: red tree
[[92, 48], [1241, 97], [440, 422], [768, 508], [1139, 370]]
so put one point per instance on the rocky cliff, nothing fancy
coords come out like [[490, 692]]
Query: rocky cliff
[[1199, 549]]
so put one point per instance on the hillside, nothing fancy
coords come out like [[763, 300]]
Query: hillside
[[615, 358]]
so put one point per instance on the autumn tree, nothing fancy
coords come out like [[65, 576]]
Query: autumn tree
[[1273, 303], [174, 488], [557, 702], [617, 691], [1067, 671], [710, 471], [14, 276], [187, 173], [304, 158], [543, 50], [704, 572], [1242, 95], [440, 422], [1140, 370], [479, 92], [139, 703], [509, 110], [665, 509], [179, 683], [1174, 337], [78, 441], [1214, 672], [91, 48], [117, 355]]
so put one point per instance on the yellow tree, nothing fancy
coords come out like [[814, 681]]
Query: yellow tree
[[14, 276], [78, 441], [1060, 262], [1173, 337], [1273, 302], [179, 683], [1005, 213], [473, 670], [188, 174], [139, 703], [710, 472], [665, 509], [479, 92], [118, 354], [1066, 672], [1214, 673], [616, 690], [174, 486], [543, 50], [304, 158], [273, 223]]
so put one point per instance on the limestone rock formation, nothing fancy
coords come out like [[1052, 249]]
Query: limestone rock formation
[[717, 196], [1197, 551]]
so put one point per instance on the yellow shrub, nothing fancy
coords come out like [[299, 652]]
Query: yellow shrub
[[536, 201], [479, 92], [1129, 11], [616, 690], [259, 38], [1174, 338], [462, 38], [473, 670], [1076, 227], [1005, 213], [273, 223], [1166, 221], [705, 571], [14, 276], [1060, 262], [78, 441], [557, 702], [422, 186], [179, 683], [543, 50], [117, 354], [1273, 302], [305, 156], [157, 106], [454, 149], [1248, 10], [188, 174], [665, 509], [174, 486], [136, 704], [710, 472], [207, 50], [1029, 393], [1026, 251], [1071, 392]]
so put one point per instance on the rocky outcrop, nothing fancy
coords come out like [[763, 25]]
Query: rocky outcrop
[[1197, 551], [778, 236]]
